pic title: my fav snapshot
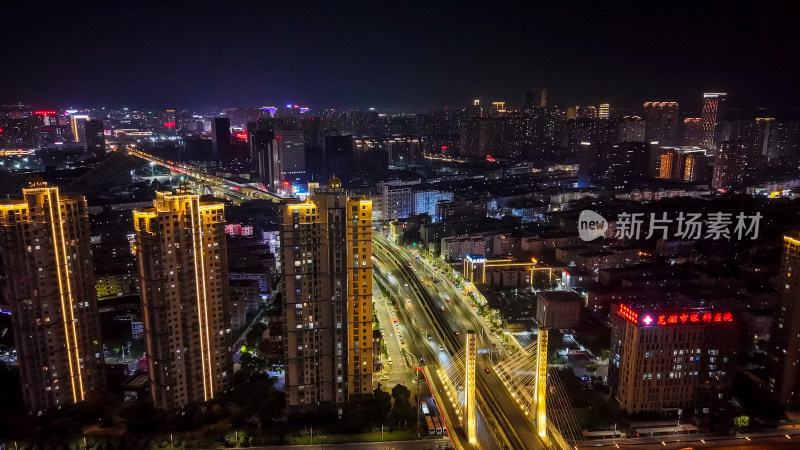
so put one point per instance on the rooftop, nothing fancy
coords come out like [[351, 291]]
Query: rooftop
[[560, 296]]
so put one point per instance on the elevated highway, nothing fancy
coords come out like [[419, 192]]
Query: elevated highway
[[236, 192], [506, 423]]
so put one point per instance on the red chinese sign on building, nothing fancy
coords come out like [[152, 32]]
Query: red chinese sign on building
[[673, 317]]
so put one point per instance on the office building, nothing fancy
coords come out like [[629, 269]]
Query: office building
[[327, 283], [785, 354], [51, 291], [95, 139], [535, 98], [51, 129], [181, 250], [77, 124], [672, 361], [290, 150], [168, 120], [220, 138], [711, 109]]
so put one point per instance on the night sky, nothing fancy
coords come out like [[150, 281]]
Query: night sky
[[397, 55]]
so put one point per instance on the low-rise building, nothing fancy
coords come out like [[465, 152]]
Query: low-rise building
[[558, 309], [456, 248]]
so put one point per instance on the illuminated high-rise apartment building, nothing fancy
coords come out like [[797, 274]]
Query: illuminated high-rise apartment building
[[326, 253], [604, 111], [661, 123], [785, 350], [50, 288], [692, 131], [182, 256], [711, 107]]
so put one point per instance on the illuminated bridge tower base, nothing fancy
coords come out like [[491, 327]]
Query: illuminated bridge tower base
[[469, 387], [541, 383]]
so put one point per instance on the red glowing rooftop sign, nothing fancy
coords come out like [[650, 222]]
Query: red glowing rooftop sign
[[241, 136], [169, 124], [673, 317], [45, 113], [627, 313]]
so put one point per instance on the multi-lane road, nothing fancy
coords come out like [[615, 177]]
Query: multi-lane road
[[501, 422]]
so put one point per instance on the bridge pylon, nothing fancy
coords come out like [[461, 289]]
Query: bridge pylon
[[541, 383], [469, 387]]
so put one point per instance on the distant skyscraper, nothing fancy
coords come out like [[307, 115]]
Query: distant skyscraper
[[785, 354], [220, 138], [50, 287], [535, 98], [338, 156], [588, 112], [168, 121], [604, 111], [181, 250], [572, 112], [735, 163], [95, 139], [631, 129], [21, 133], [290, 149], [262, 150], [661, 122], [326, 254], [693, 131], [611, 165], [711, 108], [77, 124]]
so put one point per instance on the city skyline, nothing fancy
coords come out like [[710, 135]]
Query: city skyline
[[438, 225], [406, 58]]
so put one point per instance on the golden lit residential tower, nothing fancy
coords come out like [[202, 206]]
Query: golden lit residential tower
[[48, 265], [604, 111], [182, 255], [326, 254]]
